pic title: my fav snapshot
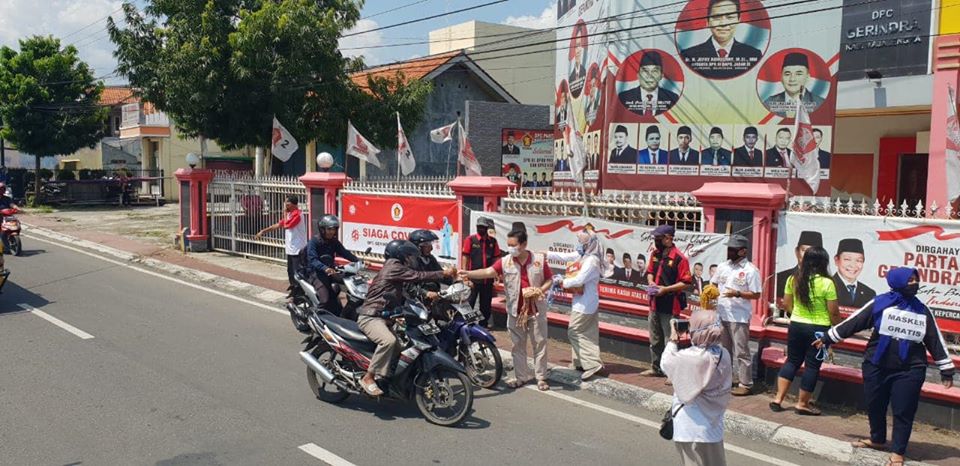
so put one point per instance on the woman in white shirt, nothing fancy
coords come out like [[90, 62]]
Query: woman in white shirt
[[582, 280], [702, 377]]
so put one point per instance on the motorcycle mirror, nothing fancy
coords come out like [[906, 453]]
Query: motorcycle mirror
[[327, 260], [368, 250]]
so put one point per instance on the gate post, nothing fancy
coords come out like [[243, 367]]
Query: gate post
[[480, 193], [194, 221], [322, 191]]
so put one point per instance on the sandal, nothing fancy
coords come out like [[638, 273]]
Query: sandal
[[776, 407], [867, 443], [514, 383], [371, 388], [542, 385], [809, 411], [893, 462]]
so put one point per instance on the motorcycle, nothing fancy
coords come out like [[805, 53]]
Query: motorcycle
[[465, 339], [10, 231], [337, 355], [348, 279]]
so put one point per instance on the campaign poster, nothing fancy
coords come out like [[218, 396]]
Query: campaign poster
[[862, 256], [698, 91], [529, 158], [626, 248], [373, 221]]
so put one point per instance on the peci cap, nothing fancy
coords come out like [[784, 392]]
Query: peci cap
[[738, 242], [684, 130], [796, 59], [484, 222], [621, 129], [651, 58], [716, 130], [664, 230], [652, 129], [810, 238], [751, 130], [850, 245]]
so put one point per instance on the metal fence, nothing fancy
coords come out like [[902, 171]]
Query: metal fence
[[240, 206], [642, 208], [875, 208]]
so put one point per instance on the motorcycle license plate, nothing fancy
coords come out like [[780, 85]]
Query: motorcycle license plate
[[429, 328], [469, 314]]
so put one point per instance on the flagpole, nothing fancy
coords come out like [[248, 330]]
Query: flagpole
[[398, 147], [460, 140]]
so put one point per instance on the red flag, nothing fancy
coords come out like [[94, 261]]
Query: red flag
[[467, 157]]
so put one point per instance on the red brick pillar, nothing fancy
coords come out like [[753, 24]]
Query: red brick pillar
[[946, 75], [323, 189], [194, 222]]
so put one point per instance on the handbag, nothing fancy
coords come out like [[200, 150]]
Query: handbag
[[666, 425]]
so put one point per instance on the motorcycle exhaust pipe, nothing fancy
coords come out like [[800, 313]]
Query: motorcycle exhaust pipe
[[316, 367]]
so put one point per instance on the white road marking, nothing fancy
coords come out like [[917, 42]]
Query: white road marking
[[166, 277], [323, 455], [55, 321], [656, 425]]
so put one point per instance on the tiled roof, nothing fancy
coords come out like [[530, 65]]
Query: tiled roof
[[117, 95], [412, 69]]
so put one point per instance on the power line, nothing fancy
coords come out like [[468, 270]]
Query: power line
[[395, 9], [95, 22], [420, 20]]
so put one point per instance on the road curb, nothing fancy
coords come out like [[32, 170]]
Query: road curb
[[748, 426], [265, 295]]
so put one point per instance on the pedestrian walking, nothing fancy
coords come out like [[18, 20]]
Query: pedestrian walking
[[480, 251], [894, 364], [810, 298], [526, 279], [738, 281], [668, 273], [582, 280], [294, 238], [701, 376]]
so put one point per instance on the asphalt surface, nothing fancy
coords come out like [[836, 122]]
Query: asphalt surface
[[178, 375]]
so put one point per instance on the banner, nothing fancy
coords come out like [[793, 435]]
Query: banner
[[862, 256], [680, 95], [528, 158], [374, 221], [888, 35], [626, 248]]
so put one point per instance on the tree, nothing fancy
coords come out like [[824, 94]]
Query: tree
[[49, 100]]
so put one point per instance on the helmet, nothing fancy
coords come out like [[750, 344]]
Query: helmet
[[328, 221], [401, 250], [422, 236]]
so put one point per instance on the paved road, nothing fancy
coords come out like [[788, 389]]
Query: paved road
[[123, 367]]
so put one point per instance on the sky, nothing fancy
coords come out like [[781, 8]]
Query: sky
[[83, 24]]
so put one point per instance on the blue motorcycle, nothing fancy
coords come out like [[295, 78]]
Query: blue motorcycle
[[462, 336]]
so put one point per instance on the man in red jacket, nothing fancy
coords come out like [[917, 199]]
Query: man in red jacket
[[479, 252], [668, 273]]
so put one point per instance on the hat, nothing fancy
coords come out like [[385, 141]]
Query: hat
[[684, 130], [621, 129], [796, 59], [850, 245], [652, 129], [651, 58], [750, 130], [810, 238], [738, 242], [664, 230], [716, 130], [484, 222]]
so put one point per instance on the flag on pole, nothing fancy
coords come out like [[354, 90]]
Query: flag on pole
[[283, 145], [404, 153], [442, 134], [805, 158], [575, 146], [359, 147], [953, 147], [466, 156]]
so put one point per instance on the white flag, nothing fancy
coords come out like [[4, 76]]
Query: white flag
[[953, 147], [359, 147], [283, 145], [574, 142], [466, 156], [404, 153], [442, 134], [805, 157]]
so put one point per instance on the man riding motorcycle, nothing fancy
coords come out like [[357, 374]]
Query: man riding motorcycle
[[327, 243], [386, 290], [427, 262], [6, 202]]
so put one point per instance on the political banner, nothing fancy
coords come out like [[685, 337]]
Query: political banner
[[683, 94], [373, 221], [863, 256], [528, 157], [626, 249]]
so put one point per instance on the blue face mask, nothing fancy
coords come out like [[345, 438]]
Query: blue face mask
[[581, 249]]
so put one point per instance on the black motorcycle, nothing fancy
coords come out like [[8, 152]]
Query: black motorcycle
[[349, 279]]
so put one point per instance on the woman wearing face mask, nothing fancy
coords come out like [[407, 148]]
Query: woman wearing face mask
[[894, 364], [702, 377], [582, 280]]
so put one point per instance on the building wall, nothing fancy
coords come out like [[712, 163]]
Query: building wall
[[486, 120], [861, 135]]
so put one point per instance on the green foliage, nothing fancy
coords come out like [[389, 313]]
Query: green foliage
[[377, 107], [66, 175]]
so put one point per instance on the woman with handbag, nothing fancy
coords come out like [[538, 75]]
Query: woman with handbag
[[702, 380]]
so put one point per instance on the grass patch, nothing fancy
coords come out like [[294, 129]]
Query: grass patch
[[40, 209]]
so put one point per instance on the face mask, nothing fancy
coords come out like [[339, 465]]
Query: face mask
[[482, 231], [581, 249], [910, 290], [658, 243], [733, 255], [513, 251]]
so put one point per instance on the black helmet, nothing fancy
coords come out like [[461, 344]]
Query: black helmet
[[422, 236], [401, 250], [328, 221]]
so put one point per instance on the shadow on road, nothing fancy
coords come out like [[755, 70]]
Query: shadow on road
[[32, 252], [389, 410], [13, 295]]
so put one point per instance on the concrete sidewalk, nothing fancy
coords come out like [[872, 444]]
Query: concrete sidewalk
[[828, 436]]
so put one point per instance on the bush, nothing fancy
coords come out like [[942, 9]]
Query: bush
[[66, 175]]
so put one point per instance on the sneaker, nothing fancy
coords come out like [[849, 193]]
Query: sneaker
[[742, 391]]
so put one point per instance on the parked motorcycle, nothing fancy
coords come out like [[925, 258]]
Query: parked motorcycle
[[464, 338], [337, 355], [10, 231]]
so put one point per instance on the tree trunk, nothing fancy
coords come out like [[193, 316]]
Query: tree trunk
[[36, 181], [203, 151]]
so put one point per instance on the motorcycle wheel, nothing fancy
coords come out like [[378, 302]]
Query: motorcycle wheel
[[326, 392], [488, 370], [444, 396], [16, 247], [299, 316]]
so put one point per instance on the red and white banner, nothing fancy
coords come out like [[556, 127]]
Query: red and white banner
[[862, 256], [374, 221]]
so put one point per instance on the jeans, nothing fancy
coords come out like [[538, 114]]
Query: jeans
[[484, 291], [293, 264], [801, 352], [898, 388]]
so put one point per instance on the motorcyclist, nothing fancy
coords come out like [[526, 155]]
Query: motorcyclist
[[400, 269], [6, 202], [427, 262], [322, 250]]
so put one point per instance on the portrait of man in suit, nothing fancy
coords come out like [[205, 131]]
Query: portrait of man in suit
[[779, 154], [794, 75], [808, 239], [563, 163], [627, 273], [510, 148], [849, 262], [640, 265], [697, 279], [578, 70], [653, 154], [649, 98], [748, 155], [823, 155], [722, 56], [715, 154], [622, 152], [683, 154], [609, 264]]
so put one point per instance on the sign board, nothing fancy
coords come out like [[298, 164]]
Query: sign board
[[373, 221], [528, 157], [889, 36], [130, 115]]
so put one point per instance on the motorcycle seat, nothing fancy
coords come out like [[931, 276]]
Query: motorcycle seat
[[345, 328]]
